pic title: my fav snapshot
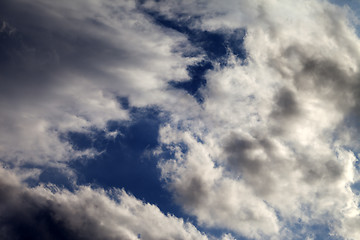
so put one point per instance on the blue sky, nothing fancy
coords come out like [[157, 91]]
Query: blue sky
[[179, 119]]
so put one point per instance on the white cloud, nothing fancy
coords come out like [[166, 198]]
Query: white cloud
[[86, 213], [271, 124], [268, 146], [78, 57], [216, 199]]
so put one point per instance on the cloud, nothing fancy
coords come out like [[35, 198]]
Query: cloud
[[269, 145], [51, 213], [65, 68], [216, 199], [270, 126]]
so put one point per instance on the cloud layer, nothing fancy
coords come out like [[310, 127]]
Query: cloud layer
[[50, 213], [261, 133]]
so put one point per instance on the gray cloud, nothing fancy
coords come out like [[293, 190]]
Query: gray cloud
[[241, 159], [272, 126], [192, 192], [256, 161], [50, 213], [213, 196], [27, 215], [66, 64], [286, 105]]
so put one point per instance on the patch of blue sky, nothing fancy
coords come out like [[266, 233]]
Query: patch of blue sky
[[355, 187], [197, 80], [168, 151], [49, 175], [354, 6], [126, 161], [314, 231], [215, 45], [351, 121]]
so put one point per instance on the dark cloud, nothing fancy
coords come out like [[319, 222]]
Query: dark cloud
[[286, 111], [49, 213], [46, 47], [258, 162], [314, 76], [252, 160], [192, 192], [315, 171], [326, 77], [240, 156], [27, 215], [240, 152], [286, 105]]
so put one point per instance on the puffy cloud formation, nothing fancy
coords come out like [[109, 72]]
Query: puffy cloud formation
[[276, 147], [50, 213], [272, 144]]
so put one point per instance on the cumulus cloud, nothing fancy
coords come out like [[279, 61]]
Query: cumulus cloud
[[216, 199], [272, 123], [51, 213], [270, 145]]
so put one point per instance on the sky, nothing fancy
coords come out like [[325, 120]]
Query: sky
[[179, 119]]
